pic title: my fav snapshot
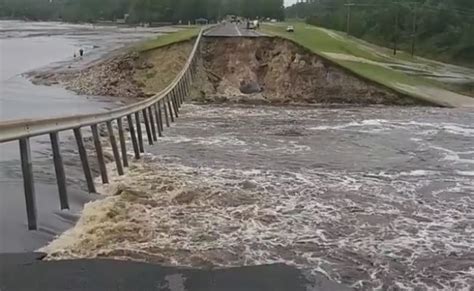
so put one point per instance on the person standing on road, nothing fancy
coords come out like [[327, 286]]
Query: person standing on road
[[81, 52]]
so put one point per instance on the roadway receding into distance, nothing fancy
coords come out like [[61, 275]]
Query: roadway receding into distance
[[233, 30]]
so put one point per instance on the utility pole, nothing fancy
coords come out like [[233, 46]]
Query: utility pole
[[348, 20], [395, 33], [414, 28]]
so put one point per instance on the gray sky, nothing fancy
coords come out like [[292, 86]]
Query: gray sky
[[289, 2]]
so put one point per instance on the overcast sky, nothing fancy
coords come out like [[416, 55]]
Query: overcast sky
[[289, 2]]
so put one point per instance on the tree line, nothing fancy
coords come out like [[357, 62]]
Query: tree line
[[139, 10], [442, 29]]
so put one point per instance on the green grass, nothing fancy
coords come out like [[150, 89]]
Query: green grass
[[324, 42], [167, 39], [319, 41]]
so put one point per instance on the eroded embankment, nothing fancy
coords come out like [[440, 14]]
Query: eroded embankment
[[273, 70], [132, 74]]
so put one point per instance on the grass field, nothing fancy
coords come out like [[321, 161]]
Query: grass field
[[167, 39], [377, 64]]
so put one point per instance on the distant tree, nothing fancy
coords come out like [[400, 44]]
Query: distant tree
[[139, 10], [443, 27]]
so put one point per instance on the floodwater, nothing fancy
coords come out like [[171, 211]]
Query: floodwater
[[27, 46], [373, 197]]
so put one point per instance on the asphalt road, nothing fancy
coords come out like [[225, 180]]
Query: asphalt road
[[27, 272], [233, 30]]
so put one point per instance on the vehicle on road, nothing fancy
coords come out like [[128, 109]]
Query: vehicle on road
[[290, 28], [252, 24]]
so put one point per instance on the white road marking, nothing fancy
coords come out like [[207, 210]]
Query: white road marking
[[238, 30]]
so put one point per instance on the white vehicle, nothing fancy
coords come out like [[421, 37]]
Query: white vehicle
[[252, 24], [290, 28], [273, 21]]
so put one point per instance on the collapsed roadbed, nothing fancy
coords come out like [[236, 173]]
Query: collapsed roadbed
[[278, 71], [266, 70]]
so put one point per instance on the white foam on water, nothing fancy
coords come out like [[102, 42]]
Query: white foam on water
[[417, 173], [220, 141], [465, 173], [366, 229], [189, 216], [175, 139], [386, 125], [454, 156]]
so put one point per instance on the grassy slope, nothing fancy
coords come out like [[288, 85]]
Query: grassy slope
[[325, 43], [167, 61], [167, 39]]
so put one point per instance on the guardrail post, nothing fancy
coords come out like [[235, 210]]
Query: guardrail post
[[187, 80], [181, 87], [131, 128], [28, 183], [159, 121], [193, 69], [175, 103], [183, 81], [85, 162], [139, 132], [167, 97], [152, 122], [123, 145], [100, 154], [179, 99], [176, 96], [59, 169], [147, 126], [166, 113], [185, 90], [113, 143], [178, 93]]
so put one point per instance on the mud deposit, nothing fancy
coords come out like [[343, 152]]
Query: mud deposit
[[375, 197], [274, 70]]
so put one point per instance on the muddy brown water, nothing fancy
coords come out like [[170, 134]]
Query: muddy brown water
[[47, 46], [368, 196], [372, 197]]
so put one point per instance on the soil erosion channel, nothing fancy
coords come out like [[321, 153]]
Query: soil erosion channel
[[369, 196]]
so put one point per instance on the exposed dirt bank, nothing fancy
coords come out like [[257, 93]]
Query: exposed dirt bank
[[131, 74], [253, 70], [273, 70]]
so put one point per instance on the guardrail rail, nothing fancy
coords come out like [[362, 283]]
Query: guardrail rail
[[157, 111]]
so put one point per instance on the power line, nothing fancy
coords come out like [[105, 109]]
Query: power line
[[466, 11]]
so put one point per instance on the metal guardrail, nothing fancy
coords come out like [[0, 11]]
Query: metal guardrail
[[161, 108]]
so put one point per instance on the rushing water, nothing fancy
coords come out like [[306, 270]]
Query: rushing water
[[373, 197], [26, 46]]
